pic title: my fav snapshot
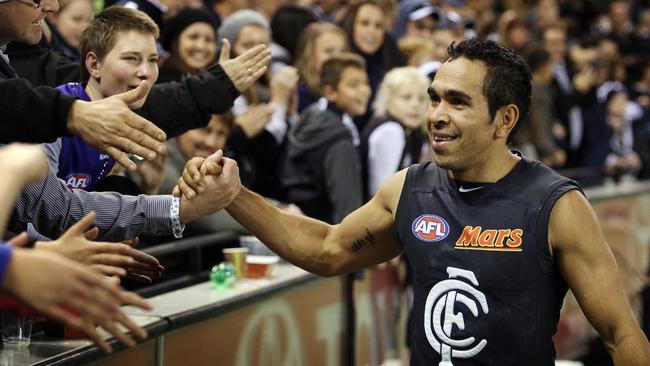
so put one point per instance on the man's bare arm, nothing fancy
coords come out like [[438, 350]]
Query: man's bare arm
[[589, 268], [365, 237]]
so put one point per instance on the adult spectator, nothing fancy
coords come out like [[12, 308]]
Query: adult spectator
[[287, 25], [67, 24], [318, 43], [365, 23], [263, 110], [191, 40]]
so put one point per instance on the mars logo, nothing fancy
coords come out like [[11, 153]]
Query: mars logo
[[430, 228], [77, 180], [439, 312]]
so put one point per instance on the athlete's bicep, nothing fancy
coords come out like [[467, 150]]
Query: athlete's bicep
[[367, 236], [588, 265]]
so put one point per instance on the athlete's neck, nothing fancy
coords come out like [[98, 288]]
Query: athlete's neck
[[490, 171]]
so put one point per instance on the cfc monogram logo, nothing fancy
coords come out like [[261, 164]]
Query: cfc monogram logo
[[440, 314]]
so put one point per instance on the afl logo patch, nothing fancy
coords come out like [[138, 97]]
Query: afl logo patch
[[77, 181], [430, 228]]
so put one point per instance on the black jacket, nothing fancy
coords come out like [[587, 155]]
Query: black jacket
[[321, 172], [30, 114], [175, 107]]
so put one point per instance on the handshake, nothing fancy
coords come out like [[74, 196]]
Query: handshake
[[207, 185]]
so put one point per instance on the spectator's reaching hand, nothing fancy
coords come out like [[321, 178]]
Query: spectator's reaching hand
[[245, 69], [283, 85], [20, 165], [25, 162], [71, 293], [254, 119], [109, 125], [109, 259]]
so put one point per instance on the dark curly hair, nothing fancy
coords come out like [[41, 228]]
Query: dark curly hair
[[507, 80]]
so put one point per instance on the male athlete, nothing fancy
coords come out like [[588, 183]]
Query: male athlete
[[494, 239]]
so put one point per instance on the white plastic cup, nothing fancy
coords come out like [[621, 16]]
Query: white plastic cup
[[16, 330]]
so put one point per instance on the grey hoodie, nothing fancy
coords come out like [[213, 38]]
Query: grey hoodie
[[321, 171]]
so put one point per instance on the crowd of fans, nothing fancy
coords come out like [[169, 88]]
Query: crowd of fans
[[341, 106], [591, 85]]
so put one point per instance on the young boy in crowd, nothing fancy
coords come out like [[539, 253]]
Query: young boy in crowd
[[118, 51], [322, 170]]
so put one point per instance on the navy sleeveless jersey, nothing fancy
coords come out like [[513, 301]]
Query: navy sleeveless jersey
[[486, 291]]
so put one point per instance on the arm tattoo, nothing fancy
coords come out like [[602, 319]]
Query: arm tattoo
[[364, 241]]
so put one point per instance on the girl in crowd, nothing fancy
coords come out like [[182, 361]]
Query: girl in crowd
[[191, 40], [365, 23], [67, 24], [261, 112], [318, 43], [394, 139], [287, 25]]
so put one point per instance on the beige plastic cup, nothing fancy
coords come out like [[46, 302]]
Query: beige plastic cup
[[237, 256]]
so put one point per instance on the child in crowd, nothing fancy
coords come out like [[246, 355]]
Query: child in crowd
[[318, 43], [394, 139], [67, 24], [287, 26], [322, 171], [119, 48]]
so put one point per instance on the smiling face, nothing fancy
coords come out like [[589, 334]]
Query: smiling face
[[369, 29], [409, 104], [203, 142], [134, 58], [22, 22], [352, 92], [462, 132], [72, 20], [197, 47]]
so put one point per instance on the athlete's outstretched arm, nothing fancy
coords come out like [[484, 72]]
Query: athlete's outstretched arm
[[365, 237], [589, 267]]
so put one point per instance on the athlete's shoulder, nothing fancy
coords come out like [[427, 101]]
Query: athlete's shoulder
[[536, 182], [425, 174], [389, 193]]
